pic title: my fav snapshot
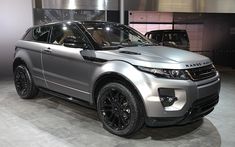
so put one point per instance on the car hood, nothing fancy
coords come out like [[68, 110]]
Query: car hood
[[156, 56]]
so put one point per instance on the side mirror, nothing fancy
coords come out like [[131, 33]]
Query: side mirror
[[72, 41]]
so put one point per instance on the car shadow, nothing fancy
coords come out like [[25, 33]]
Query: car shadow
[[168, 132], [202, 130]]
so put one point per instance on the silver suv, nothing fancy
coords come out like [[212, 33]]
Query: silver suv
[[118, 71]]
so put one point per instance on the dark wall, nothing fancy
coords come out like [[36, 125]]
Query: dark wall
[[114, 16], [218, 35]]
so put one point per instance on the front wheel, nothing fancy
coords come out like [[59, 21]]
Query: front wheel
[[24, 84], [120, 111]]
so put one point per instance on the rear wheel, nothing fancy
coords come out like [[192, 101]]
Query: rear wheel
[[24, 84], [119, 109]]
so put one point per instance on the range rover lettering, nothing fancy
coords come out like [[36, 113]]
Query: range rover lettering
[[112, 67]]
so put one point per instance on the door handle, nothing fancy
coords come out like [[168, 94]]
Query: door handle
[[47, 50]]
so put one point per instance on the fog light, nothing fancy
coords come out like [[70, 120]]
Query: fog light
[[168, 101], [167, 96]]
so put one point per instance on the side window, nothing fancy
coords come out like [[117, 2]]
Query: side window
[[167, 37], [41, 34], [153, 36], [61, 31], [158, 37], [57, 35]]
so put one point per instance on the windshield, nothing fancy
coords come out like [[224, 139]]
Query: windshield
[[110, 35]]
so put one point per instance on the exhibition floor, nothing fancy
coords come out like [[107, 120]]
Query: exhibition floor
[[49, 121]]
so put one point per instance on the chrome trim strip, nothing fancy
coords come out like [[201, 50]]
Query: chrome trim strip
[[68, 87], [208, 84], [38, 77]]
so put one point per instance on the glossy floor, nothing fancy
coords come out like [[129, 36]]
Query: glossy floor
[[48, 121]]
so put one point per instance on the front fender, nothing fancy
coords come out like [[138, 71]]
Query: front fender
[[137, 78]]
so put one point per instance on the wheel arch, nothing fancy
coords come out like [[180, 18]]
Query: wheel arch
[[22, 57], [18, 61], [114, 77]]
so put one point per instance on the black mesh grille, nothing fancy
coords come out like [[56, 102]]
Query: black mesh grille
[[203, 106], [201, 73]]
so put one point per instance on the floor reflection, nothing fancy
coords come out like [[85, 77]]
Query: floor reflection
[[202, 132], [73, 125]]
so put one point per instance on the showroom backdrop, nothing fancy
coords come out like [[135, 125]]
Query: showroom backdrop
[[210, 23], [16, 17], [202, 6]]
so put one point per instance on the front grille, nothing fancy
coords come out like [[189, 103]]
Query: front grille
[[201, 73]]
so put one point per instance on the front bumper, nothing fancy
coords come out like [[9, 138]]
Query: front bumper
[[195, 100], [199, 109]]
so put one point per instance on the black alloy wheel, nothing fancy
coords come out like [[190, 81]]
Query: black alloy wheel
[[116, 109], [119, 110], [24, 83]]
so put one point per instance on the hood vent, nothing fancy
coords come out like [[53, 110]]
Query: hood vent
[[130, 53]]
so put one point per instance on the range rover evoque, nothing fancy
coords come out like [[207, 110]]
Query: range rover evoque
[[129, 80]]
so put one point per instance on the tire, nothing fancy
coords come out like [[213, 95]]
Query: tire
[[24, 84], [120, 110]]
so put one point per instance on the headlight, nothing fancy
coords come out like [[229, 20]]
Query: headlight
[[166, 73]]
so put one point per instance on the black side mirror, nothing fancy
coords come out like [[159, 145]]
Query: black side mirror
[[72, 41]]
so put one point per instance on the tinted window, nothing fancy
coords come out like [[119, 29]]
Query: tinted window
[[157, 37], [39, 34], [61, 31]]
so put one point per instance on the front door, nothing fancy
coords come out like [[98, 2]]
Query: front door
[[65, 70]]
